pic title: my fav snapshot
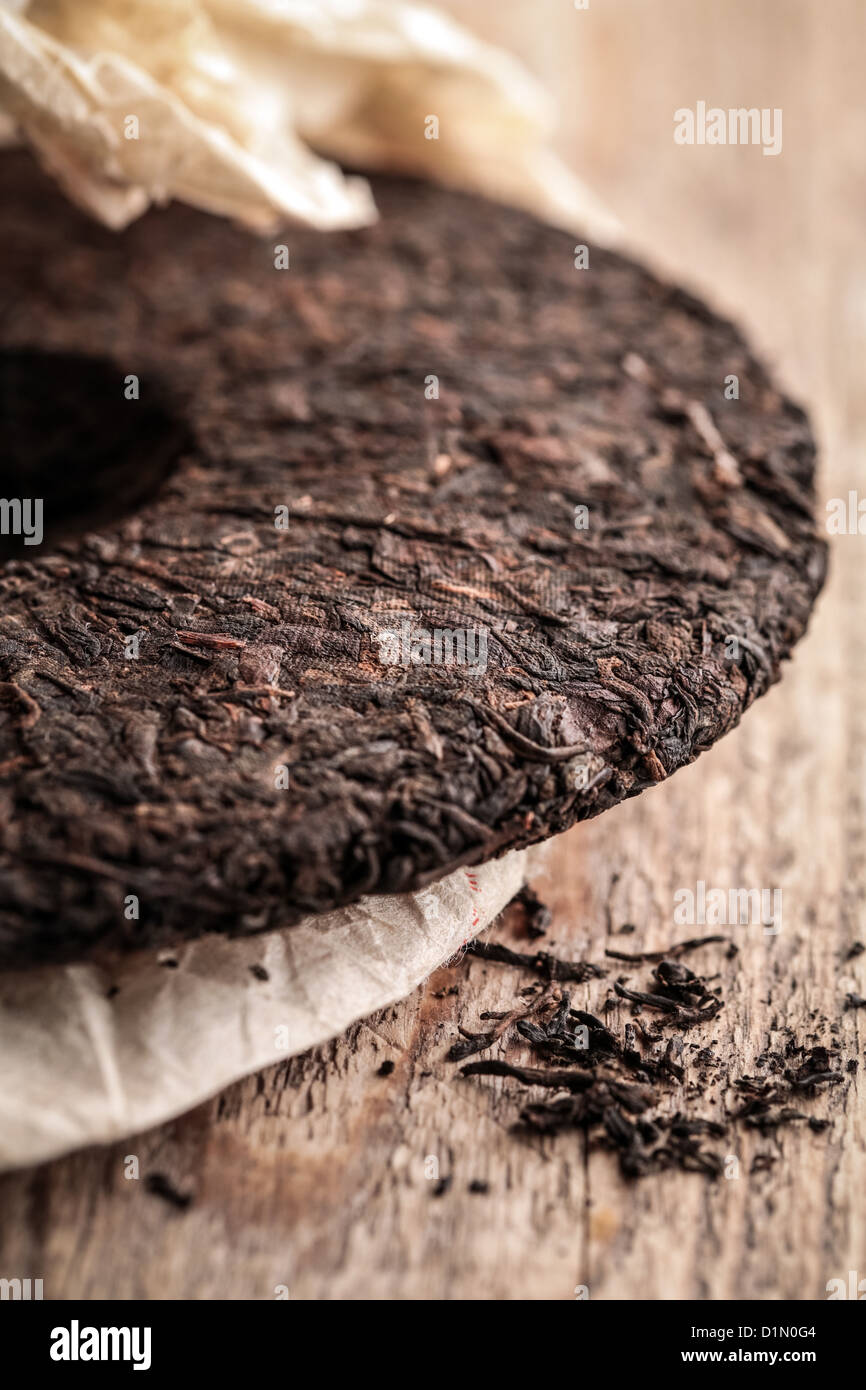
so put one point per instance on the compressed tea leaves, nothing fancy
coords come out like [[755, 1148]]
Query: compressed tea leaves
[[462, 540]]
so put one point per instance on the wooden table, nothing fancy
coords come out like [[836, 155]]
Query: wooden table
[[320, 1175]]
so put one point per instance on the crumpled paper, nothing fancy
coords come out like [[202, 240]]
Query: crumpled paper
[[227, 104], [88, 1055]]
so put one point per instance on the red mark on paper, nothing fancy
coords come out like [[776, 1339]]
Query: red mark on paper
[[473, 884]]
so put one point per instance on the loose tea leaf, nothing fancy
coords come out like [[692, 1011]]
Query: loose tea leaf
[[538, 914], [162, 1186], [595, 1071], [685, 1017], [478, 1042], [551, 967], [681, 948]]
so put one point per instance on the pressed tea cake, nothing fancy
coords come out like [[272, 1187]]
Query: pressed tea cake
[[438, 421]]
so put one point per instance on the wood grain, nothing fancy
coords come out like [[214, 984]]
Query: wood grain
[[313, 1174]]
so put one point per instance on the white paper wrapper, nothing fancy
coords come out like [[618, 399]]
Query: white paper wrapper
[[222, 103], [79, 1067]]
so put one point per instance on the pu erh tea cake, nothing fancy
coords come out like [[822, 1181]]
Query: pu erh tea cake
[[366, 555]]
